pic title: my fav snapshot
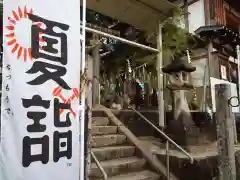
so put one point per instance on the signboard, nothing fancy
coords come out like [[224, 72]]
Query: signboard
[[223, 72], [40, 95]]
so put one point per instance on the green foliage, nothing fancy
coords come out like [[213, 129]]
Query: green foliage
[[176, 40]]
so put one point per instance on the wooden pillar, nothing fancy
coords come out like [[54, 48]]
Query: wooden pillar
[[173, 105], [96, 74], [160, 78], [207, 89], [225, 133], [89, 93]]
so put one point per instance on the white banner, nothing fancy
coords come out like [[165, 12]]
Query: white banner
[[40, 98]]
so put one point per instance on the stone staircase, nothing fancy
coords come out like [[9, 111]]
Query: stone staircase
[[117, 156]]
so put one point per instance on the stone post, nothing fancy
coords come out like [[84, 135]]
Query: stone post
[[225, 133]]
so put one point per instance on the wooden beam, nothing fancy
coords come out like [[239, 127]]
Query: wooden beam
[[103, 29]]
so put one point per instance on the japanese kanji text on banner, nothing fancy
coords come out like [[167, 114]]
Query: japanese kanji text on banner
[[40, 92]]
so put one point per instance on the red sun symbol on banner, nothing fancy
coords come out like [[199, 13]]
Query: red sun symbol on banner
[[20, 33], [57, 92]]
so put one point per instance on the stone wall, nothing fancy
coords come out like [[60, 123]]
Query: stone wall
[[202, 169], [139, 127]]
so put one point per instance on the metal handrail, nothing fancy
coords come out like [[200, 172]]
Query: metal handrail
[[165, 136], [99, 166]]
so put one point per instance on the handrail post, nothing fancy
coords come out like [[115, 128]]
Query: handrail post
[[99, 166], [164, 135], [167, 160]]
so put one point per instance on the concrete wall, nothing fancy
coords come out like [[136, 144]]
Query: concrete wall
[[200, 76], [196, 16]]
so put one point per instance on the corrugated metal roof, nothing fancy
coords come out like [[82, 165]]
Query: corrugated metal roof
[[142, 14]]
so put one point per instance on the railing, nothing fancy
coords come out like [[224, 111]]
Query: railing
[[99, 166], [167, 143]]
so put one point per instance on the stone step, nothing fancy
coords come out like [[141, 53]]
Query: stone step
[[100, 121], [108, 140], [117, 166], [101, 130], [142, 175], [113, 152]]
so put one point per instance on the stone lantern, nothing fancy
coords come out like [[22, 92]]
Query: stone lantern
[[181, 127]]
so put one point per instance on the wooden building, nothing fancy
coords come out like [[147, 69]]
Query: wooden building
[[217, 23]]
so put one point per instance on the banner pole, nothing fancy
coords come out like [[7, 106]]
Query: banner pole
[[82, 95]]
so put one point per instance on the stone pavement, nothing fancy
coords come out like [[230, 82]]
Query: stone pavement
[[197, 152]]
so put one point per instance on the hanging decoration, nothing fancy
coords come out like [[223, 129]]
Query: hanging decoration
[[194, 94], [129, 66], [189, 61]]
